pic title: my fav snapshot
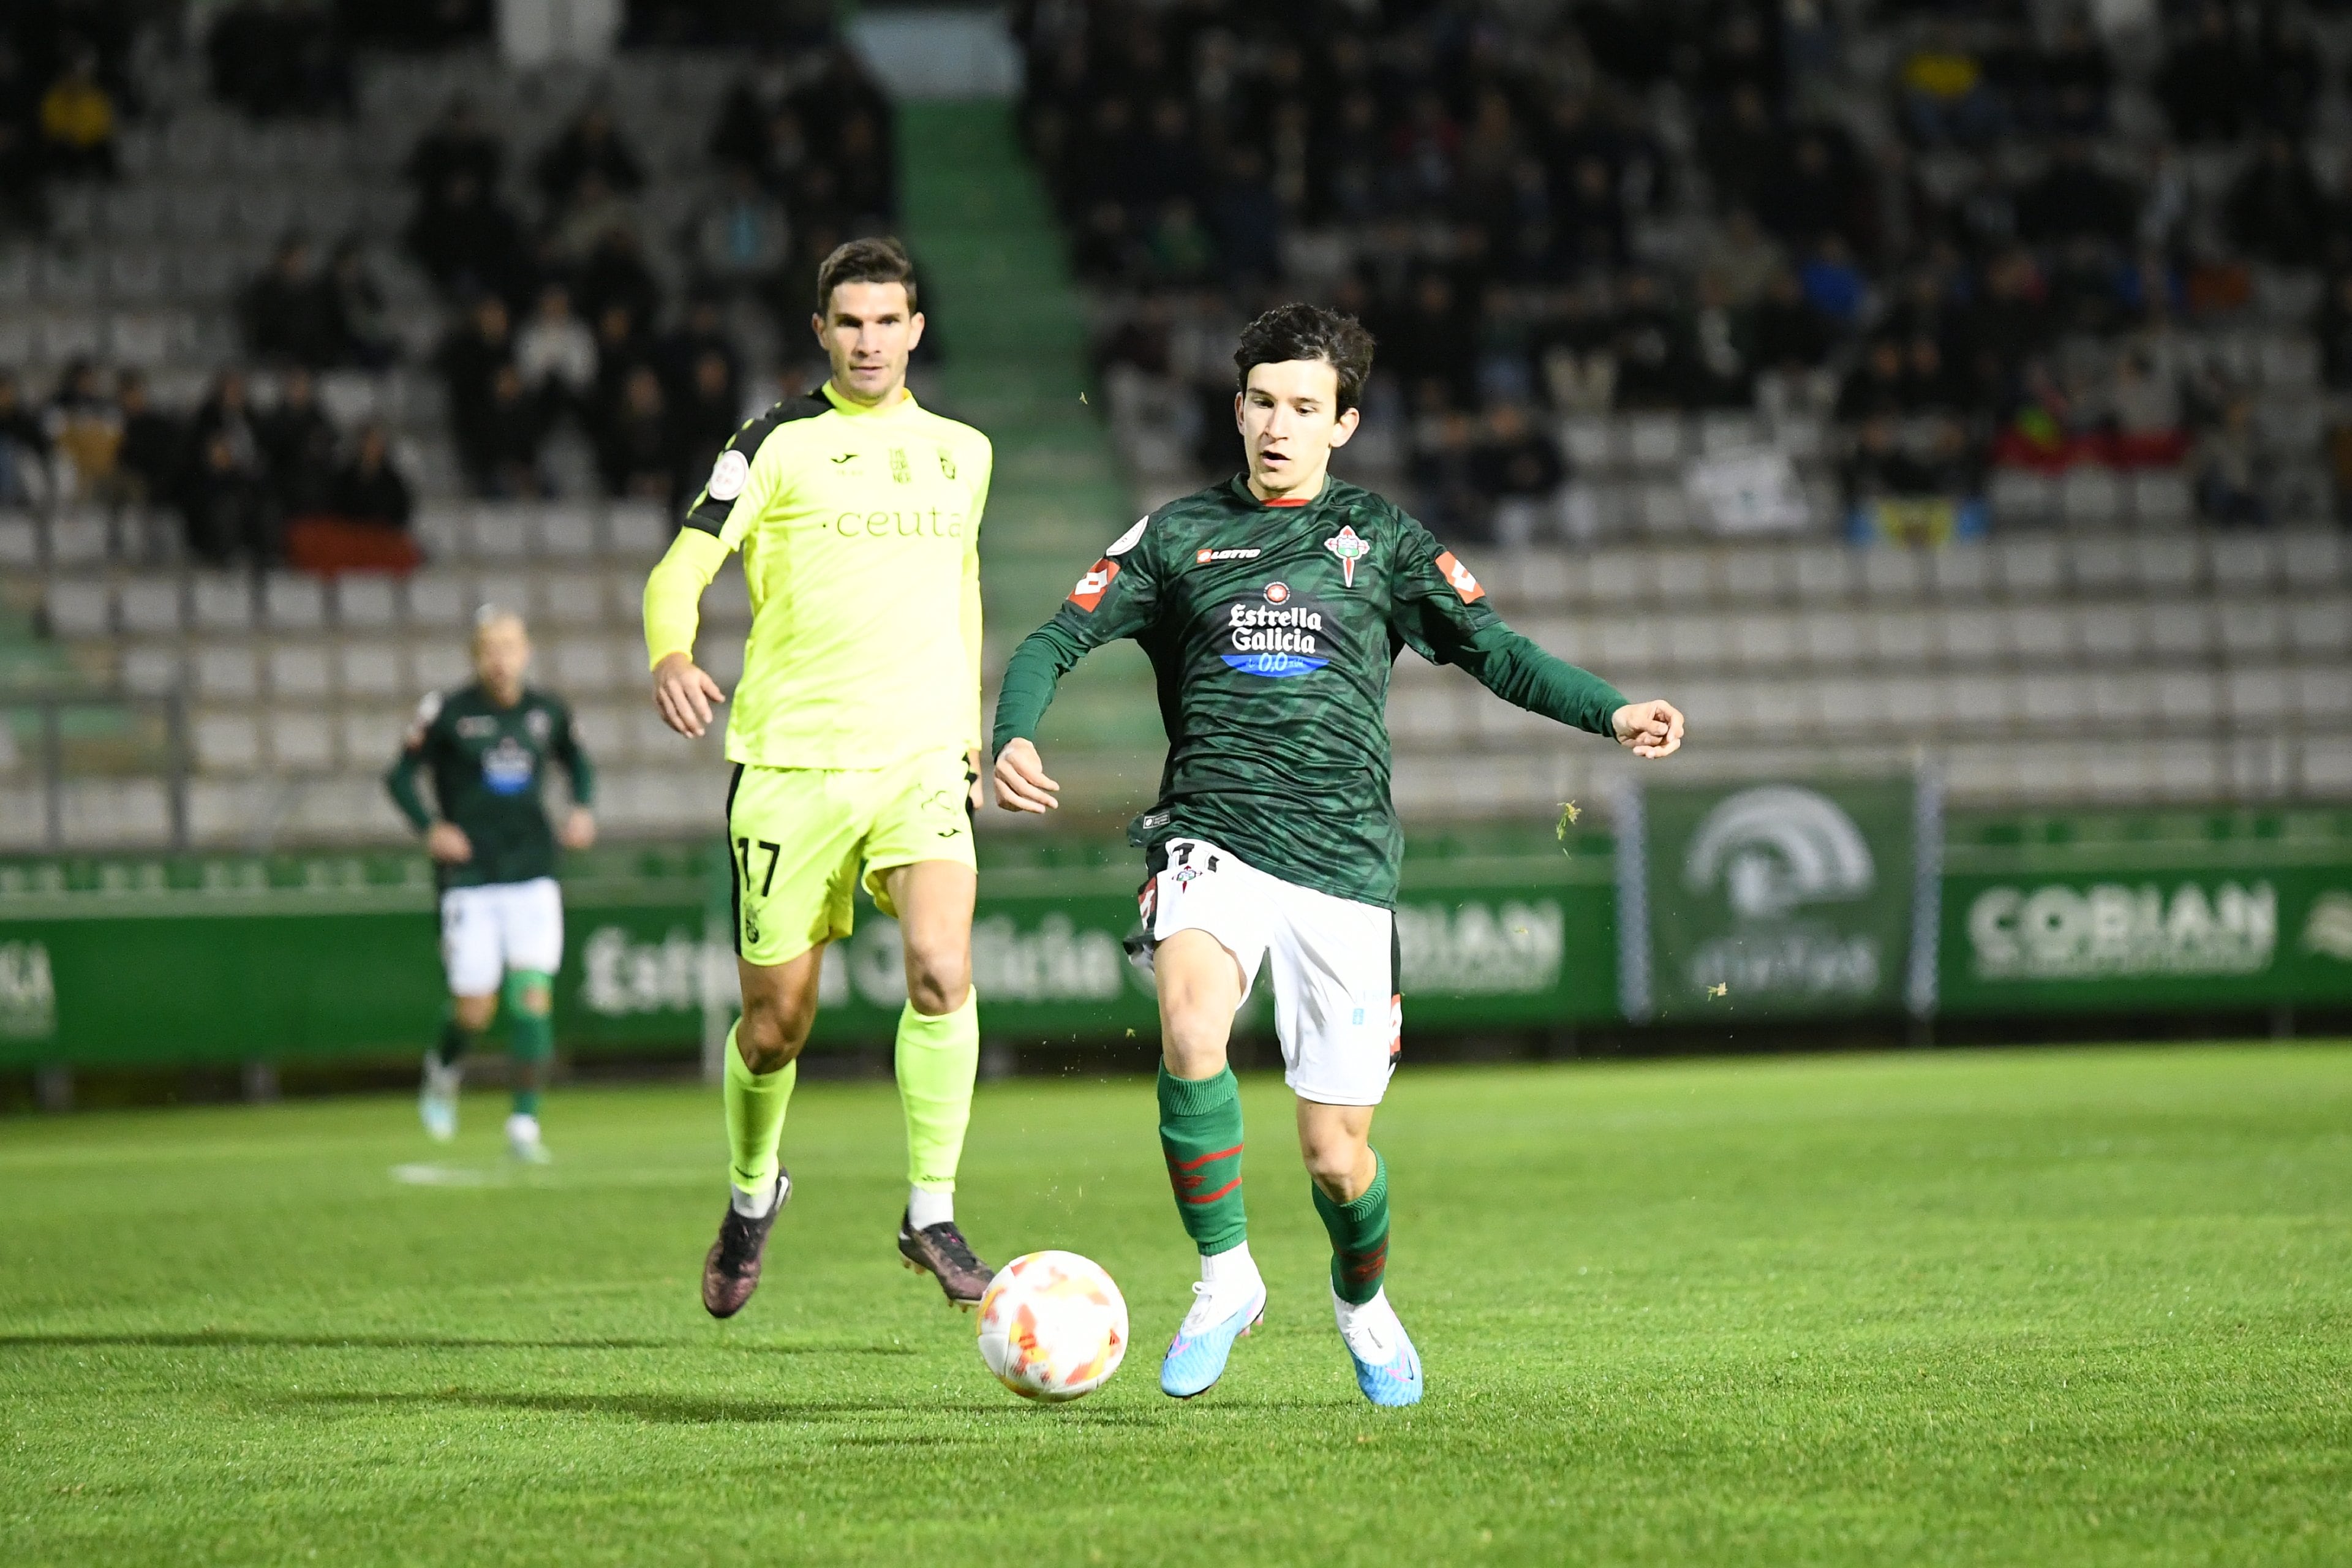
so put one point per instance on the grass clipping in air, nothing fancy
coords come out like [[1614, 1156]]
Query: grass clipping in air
[[1998, 1307]]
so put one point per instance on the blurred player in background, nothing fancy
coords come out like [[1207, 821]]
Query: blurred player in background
[[1272, 607], [485, 747], [856, 740]]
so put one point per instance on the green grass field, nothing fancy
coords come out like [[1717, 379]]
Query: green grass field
[[2081, 1306]]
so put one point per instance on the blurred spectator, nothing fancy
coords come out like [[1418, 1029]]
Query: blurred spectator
[[369, 487], [24, 448], [2290, 69], [2334, 330], [464, 239], [457, 143], [290, 310], [615, 273], [2227, 466], [470, 356], [2276, 211], [148, 465], [556, 353], [591, 144], [740, 136], [1876, 388], [2076, 78], [85, 428], [702, 331], [595, 210], [634, 449], [1834, 285], [1789, 333], [360, 321], [740, 239], [78, 122], [705, 409], [2206, 85], [285, 56], [225, 495], [1945, 95], [868, 191], [298, 447], [1520, 469], [500, 447], [2075, 197], [24, 204], [621, 346]]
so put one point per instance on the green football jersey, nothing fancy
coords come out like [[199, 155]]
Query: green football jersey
[[1271, 630], [487, 764]]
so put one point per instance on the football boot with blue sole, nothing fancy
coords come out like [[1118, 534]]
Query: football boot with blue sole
[[1196, 1356], [1393, 1379]]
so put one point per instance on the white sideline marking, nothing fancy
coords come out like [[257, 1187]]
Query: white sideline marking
[[446, 1176]]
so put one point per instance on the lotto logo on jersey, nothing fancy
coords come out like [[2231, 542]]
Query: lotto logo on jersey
[[1204, 556], [1094, 585], [1459, 575]]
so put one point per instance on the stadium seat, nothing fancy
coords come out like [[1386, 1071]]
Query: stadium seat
[[301, 740], [2242, 561], [443, 533], [1758, 575], [510, 589], [1979, 703], [2326, 766], [226, 672], [374, 668], [501, 533], [2187, 699], [1682, 577], [134, 274], [1665, 508], [583, 665], [1825, 572], [77, 607], [364, 601], [292, 603], [2160, 499], [440, 600], [371, 737], [2121, 699], [2323, 694], [227, 741], [1654, 441], [224, 811], [115, 813], [1969, 636], [1765, 641], [300, 670], [2312, 560], [220, 602], [1899, 639], [2108, 633], [2176, 628], [2040, 633], [20, 542], [2251, 629], [567, 532], [2321, 625], [79, 537], [636, 529], [441, 665]]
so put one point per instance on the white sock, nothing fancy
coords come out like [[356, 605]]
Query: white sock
[[1229, 1266], [926, 1208], [1366, 1326], [519, 1125], [755, 1205]]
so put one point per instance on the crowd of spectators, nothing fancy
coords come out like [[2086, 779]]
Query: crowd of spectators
[[66, 87], [240, 471], [1961, 263]]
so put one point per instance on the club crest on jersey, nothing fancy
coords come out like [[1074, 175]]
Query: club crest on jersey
[[1459, 575], [899, 469], [1350, 549], [947, 464], [1183, 874], [1094, 585]]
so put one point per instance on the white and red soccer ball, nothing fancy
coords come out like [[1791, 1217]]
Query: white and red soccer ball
[[1052, 1326]]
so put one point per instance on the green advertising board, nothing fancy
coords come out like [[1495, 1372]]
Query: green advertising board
[[195, 959], [1768, 900], [2147, 912]]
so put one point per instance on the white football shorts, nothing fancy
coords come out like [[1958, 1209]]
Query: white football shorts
[[1335, 1006], [487, 930]]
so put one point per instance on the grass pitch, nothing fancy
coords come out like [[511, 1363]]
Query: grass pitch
[[1961, 1308]]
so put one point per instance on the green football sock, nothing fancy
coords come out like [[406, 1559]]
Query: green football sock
[[756, 1102], [1359, 1237], [530, 1035], [1200, 1134], [938, 1057], [456, 1043]]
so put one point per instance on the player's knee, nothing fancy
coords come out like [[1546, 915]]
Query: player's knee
[[473, 1011], [939, 975], [772, 1032], [1333, 1161]]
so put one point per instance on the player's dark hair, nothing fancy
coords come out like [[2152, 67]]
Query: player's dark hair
[[1307, 331], [881, 260]]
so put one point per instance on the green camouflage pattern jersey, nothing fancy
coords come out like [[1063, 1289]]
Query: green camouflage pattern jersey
[[487, 764], [1271, 629]]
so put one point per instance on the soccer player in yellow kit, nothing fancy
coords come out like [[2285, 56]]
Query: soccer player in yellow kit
[[856, 739]]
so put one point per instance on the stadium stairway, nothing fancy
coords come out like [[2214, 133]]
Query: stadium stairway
[[1013, 362]]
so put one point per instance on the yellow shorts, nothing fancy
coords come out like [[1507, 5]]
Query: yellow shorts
[[798, 835]]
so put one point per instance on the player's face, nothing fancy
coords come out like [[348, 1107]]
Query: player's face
[[868, 333], [501, 654], [1291, 423]]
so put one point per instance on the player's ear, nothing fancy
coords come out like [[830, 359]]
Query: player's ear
[[816, 325], [1238, 425], [1345, 425], [915, 333]]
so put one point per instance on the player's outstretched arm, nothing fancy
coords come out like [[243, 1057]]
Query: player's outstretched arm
[[1021, 784]]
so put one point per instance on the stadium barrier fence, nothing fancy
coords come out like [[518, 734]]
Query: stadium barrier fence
[[1859, 902]]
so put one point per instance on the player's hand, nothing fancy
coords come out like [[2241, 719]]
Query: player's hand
[[446, 842], [1652, 729], [683, 695], [1021, 780], [972, 773], [579, 829]]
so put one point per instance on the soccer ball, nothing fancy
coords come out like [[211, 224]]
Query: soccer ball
[[1052, 1326]]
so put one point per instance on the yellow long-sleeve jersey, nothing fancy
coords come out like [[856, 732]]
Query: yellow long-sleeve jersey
[[860, 534]]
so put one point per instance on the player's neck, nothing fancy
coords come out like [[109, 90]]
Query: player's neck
[[888, 398], [1301, 494], [503, 695]]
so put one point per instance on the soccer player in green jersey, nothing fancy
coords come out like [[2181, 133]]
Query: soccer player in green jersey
[[1272, 607], [485, 747], [854, 735]]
